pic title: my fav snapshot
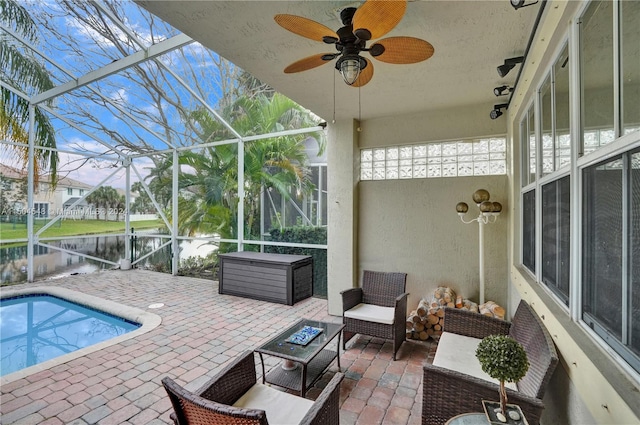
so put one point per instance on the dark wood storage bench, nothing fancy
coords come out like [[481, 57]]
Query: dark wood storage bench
[[279, 278]]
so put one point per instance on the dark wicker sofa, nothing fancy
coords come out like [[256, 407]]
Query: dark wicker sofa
[[448, 392]]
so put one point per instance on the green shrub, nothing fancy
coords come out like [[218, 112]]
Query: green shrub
[[307, 235]]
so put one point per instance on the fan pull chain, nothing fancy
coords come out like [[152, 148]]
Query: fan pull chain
[[359, 129], [334, 97]]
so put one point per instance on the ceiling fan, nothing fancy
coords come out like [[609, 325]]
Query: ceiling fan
[[370, 21]]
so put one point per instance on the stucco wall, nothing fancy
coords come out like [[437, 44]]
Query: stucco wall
[[412, 226], [447, 124], [342, 209], [588, 387]]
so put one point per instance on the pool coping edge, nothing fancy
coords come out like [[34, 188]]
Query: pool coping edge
[[148, 320]]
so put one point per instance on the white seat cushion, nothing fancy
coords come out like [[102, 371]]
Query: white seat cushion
[[458, 352], [371, 313], [280, 407]]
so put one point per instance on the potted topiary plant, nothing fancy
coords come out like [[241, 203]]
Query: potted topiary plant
[[504, 359]]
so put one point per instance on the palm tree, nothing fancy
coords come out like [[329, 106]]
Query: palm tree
[[103, 199], [121, 202], [24, 72], [95, 199], [110, 199], [143, 203], [209, 195]]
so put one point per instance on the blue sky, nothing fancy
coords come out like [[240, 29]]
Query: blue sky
[[80, 49]]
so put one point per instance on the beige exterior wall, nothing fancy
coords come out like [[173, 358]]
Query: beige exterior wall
[[401, 218], [43, 192], [589, 386], [433, 126], [411, 226]]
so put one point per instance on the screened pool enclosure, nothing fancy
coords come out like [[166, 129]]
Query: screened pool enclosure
[[137, 124]]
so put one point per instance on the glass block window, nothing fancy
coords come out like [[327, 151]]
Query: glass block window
[[593, 139], [479, 157]]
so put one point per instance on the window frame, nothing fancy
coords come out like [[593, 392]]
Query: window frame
[[620, 145]]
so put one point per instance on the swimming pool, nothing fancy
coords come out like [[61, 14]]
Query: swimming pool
[[36, 328], [41, 327]]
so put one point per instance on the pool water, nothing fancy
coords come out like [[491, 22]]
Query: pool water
[[37, 328]]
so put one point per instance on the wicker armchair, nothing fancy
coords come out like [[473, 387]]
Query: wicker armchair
[[448, 392], [233, 397], [378, 308]]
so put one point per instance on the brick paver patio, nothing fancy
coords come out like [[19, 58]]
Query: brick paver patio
[[201, 331]]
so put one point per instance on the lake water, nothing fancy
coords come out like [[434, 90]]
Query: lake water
[[51, 263]]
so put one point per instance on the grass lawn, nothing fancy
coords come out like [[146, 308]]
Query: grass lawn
[[10, 231]]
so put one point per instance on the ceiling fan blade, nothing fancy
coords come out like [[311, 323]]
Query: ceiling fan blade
[[405, 50], [365, 75], [304, 27], [377, 17], [309, 62]]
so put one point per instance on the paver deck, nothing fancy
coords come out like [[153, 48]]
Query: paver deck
[[200, 332]]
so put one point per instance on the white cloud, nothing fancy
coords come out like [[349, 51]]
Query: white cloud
[[142, 34], [120, 96], [89, 166]]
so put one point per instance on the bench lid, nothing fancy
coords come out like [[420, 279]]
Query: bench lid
[[265, 257]]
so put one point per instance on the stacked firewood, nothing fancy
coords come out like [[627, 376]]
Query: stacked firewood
[[427, 319], [492, 309]]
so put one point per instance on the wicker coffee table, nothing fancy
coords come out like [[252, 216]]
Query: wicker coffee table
[[310, 360]]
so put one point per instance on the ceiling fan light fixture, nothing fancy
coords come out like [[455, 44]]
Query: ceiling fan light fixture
[[350, 67], [370, 20]]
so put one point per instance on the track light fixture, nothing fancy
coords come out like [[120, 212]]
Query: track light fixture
[[517, 4], [502, 90], [509, 64], [496, 112]]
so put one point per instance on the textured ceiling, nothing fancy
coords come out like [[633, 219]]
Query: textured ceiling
[[470, 39]]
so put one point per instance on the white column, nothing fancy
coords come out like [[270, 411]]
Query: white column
[[261, 216], [30, 188], [342, 209], [240, 218], [175, 247], [127, 206]]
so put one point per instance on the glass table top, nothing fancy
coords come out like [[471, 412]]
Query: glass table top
[[279, 347]]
